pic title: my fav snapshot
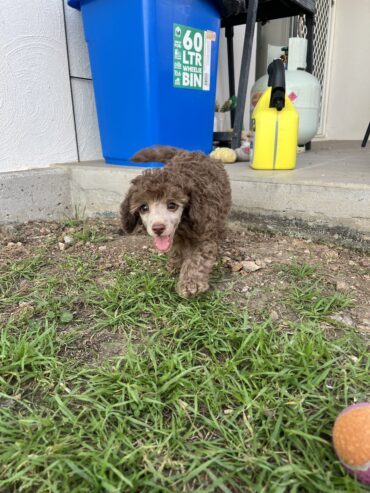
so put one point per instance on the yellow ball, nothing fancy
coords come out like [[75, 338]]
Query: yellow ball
[[224, 154]]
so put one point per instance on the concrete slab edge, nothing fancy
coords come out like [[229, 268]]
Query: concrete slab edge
[[320, 231], [38, 194], [66, 191]]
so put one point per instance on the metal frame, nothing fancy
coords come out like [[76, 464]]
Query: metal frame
[[229, 34], [310, 22], [321, 133], [366, 137], [244, 73], [257, 11]]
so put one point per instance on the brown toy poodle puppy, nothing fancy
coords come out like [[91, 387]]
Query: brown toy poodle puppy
[[184, 207]]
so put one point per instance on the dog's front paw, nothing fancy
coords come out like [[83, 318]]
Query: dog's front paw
[[189, 289]]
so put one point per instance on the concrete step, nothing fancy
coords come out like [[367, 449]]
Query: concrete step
[[329, 192]]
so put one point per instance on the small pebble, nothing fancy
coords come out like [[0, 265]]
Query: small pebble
[[250, 266], [261, 263], [68, 240], [331, 254], [237, 266], [274, 316], [344, 319], [342, 286]]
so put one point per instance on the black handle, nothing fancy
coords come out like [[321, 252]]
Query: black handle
[[276, 73]]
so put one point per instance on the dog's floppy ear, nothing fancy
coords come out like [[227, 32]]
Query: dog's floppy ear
[[197, 211], [129, 220]]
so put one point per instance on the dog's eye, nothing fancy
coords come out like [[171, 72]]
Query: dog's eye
[[172, 206], [144, 208]]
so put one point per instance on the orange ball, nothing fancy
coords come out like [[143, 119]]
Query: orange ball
[[351, 439]]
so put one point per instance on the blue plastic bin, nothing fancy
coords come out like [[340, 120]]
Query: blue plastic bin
[[154, 67]]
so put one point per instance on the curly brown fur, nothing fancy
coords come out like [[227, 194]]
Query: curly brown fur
[[200, 187]]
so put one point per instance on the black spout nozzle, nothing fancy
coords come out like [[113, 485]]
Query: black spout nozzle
[[276, 73]]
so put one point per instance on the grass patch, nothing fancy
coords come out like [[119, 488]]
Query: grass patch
[[299, 271], [310, 295], [202, 399], [90, 233], [14, 271], [311, 302]]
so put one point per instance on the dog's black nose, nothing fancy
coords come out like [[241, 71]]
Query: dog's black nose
[[158, 228]]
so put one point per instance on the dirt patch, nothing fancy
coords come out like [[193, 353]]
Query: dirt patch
[[337, 268], [255, 265]]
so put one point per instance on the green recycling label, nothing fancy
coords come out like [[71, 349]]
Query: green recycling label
[[192, 50]]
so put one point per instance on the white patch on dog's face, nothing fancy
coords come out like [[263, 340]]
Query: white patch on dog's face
[[161, 219]]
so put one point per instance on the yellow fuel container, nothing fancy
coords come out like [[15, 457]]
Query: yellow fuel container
[[274, 125]]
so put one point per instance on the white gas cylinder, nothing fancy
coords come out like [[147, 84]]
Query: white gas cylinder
[[302, 88], [304, 91]]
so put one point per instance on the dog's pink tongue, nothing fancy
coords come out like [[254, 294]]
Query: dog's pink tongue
[[162, 243]]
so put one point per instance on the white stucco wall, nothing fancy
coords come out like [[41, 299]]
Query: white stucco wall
[[348, 100], [36, 119], [83, 92]]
